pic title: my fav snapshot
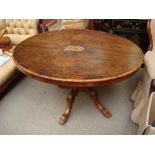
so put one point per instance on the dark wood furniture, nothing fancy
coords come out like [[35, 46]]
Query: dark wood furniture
[[150, 48], [150, 29], [78, 59], [4, 41], [132, 29]]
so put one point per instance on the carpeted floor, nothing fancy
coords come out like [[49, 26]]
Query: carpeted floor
[[33, 107]]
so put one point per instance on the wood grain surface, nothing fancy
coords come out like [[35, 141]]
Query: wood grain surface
[[78, 58]]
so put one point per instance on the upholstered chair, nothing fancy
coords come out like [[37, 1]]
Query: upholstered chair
[[51, 24], [74, 23], [17, 30], [147, 84], [20, 29], [67, 24]]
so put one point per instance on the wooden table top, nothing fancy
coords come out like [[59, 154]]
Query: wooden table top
[[78, 58]]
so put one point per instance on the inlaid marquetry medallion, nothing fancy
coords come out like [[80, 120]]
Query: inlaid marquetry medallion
[[74, 48]]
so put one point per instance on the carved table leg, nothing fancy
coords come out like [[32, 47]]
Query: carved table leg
[[103, 110], [70, 100]]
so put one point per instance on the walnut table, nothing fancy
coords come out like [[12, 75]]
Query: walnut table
[[80, 60]]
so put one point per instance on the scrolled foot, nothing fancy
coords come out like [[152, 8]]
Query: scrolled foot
[[70, 100], [62, 120], [98, 104], [106, 113]]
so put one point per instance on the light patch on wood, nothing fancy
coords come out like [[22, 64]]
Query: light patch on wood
[[74, 48]]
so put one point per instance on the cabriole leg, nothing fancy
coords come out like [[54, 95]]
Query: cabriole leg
[[98, 104], [70, 99]]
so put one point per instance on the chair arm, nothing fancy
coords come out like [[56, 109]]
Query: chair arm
[[53, 21]]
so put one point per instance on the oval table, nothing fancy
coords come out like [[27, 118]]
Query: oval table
[[80, 60]]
